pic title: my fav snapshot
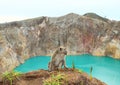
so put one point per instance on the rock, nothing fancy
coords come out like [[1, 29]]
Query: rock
[[113, 49], [41, 36], [65, 76], [99, 52]]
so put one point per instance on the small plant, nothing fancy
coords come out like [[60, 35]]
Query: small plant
[[91, 69], [10, 76], [79, 70], [54, 80], [73, 65], [81, 83]]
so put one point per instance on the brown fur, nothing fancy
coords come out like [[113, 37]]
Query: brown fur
[[57, 60]]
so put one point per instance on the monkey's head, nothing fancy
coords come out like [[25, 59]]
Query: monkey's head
[[62, 50]]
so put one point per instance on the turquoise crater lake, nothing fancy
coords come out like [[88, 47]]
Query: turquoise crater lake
[[106, 69]]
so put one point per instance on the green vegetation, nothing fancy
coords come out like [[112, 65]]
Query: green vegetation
[[73, 65], [91, 73], [75, 69], [54, 80], [80, 71], [95, 16], [81, 83], [10, 76]]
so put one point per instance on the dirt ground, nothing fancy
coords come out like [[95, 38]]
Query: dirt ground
[[71, 77]]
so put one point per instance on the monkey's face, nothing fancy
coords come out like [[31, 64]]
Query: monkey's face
[[63, 50]]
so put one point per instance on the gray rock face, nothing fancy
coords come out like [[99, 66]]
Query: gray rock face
[[41, 36]]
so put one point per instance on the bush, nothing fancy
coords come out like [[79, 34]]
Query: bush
[[91, 69], [10, 76], [54, 80], [73, 65]]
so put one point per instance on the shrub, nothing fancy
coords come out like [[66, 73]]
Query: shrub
[[73, 65], [91, 69], [79, 70], [10, 76], [54, 80]]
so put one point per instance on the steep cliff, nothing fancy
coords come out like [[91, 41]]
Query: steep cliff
[[40, 36]]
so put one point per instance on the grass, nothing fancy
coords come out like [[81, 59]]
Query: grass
[[81, 83], [80, 71], [10, 76], [91, 69], [54, 80], [73, 65], [75, 69]]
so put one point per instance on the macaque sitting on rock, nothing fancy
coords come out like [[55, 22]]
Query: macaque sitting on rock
[[58, 59]]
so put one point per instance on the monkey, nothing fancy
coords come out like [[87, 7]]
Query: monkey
[[58, 59]]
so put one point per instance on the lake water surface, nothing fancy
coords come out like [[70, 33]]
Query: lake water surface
[[106, 68]]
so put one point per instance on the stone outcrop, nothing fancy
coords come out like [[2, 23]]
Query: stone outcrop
[[61, 77], [40, 36]]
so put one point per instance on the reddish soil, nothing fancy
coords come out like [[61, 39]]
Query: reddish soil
[[72, 77]]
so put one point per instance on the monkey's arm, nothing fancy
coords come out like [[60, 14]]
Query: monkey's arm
[[62, 63]]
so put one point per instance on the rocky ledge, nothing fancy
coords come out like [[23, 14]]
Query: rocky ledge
[[61, 77], [90, 33]]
